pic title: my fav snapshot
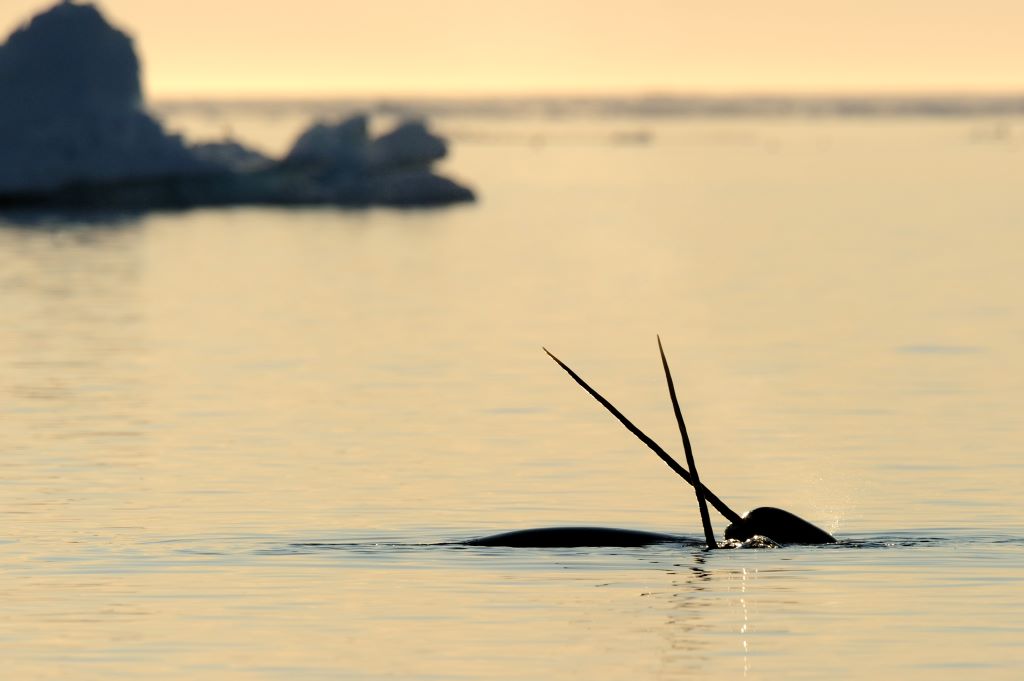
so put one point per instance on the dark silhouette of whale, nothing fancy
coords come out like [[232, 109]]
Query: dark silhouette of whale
[[780, 526], [774, 524], [567, 537]]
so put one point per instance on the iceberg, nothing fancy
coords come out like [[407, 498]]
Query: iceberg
[[71, 112], [409, 146], [75, 132], [348, 166], [341, 146]]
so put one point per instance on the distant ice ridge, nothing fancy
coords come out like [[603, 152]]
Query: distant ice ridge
[[73, 130], [658, 107]]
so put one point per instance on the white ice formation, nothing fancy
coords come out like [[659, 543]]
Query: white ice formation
[[71, 107], [73, 130]]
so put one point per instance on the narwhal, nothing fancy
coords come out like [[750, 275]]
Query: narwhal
[[762, 526]]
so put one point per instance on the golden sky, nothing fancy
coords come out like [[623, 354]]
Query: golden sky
[[337, 47]]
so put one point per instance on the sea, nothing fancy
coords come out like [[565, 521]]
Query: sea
[[250, 442]]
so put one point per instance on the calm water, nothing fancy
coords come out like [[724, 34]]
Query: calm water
[[235, 441]]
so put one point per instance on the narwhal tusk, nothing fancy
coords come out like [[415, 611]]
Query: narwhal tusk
[[709, 534], [711, 497]]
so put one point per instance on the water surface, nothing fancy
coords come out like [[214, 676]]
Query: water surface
[[237, 442]]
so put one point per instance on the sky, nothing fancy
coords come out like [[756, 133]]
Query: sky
[[298, 48]]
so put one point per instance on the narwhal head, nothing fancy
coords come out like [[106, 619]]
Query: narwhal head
[[780, 526]]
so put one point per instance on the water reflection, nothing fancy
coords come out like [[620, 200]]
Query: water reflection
[[56, 219], [229, 435], [744, 628], [72, 331]]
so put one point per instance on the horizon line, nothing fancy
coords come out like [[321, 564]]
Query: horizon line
[[653, 94]]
